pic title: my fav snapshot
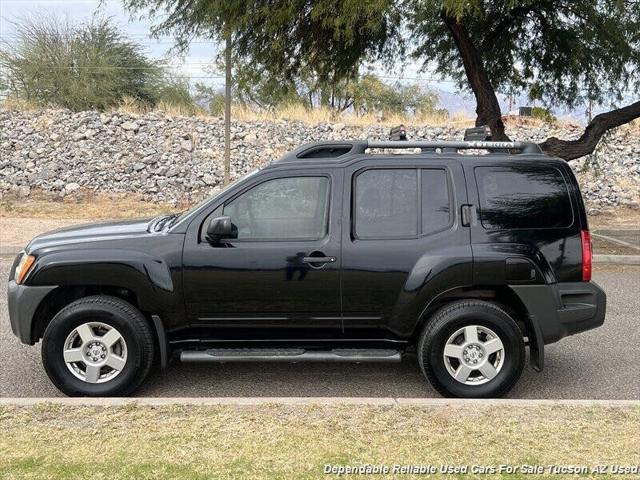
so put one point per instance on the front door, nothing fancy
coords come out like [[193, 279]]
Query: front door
[[283, 270]]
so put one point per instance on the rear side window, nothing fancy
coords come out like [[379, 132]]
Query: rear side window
[[389, 204], [523, 197], [386, 203]]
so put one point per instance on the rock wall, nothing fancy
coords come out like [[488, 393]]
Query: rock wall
[[180, 159]]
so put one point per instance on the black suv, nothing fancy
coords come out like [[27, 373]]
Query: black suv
[[460, 253]]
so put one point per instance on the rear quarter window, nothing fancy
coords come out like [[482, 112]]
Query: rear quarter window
[[523, 197]]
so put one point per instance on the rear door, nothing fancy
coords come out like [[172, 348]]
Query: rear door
[[402, 242]]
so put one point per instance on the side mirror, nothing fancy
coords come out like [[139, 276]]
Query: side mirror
[[221, 227]]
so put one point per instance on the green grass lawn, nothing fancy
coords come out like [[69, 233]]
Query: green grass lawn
[[297, 441]]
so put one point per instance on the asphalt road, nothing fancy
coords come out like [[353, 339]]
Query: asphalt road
[[600, 364]]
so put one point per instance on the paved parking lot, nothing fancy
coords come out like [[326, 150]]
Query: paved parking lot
[[600, 364]]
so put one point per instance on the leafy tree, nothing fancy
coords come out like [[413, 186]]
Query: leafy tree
[[558, 48], [175, 93], [372, 95], [212, 97]]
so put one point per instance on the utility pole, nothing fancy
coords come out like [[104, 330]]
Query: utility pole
[[590, 111], [227, 110]]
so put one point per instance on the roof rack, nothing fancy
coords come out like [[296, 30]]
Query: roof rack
[[524, 147], [337, 149]]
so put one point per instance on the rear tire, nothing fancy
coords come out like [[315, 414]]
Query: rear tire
[[472, 349], [98, 346]]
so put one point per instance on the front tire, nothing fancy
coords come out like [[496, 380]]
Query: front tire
[[472, 349], [98, 346]]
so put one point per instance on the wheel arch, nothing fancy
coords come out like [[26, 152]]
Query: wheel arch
[[506, 298], [62, 296]]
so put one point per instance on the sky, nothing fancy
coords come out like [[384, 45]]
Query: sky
[[202, 52]]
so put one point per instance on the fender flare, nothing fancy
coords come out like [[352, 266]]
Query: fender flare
[[147, 276], [536, 339]]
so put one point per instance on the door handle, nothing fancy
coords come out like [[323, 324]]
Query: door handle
[[318, 259], [468, 214]]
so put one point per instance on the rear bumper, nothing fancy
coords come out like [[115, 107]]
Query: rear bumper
[[563, 309], [23, 301]]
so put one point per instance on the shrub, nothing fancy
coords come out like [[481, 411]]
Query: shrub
[[543, 114], [81, 67]]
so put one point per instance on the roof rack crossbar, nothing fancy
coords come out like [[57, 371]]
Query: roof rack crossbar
[[525, 147]]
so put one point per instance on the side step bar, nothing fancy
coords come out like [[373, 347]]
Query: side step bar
[[338, 355]]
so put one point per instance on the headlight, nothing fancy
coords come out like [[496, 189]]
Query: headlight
[[23, 267]]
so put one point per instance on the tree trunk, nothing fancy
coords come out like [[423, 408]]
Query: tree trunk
[[572, 149], [487, 106]]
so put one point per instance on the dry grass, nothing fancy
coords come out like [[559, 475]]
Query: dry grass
[[300, 113], [88, 206], [296, 442], [325, 115], [19, 104]]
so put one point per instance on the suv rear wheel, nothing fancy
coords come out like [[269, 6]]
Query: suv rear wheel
[[98, 346], [472, 349]]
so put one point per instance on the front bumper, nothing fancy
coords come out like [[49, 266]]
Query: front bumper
[[23, 302]]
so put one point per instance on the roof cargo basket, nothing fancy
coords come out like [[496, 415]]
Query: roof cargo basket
[[398, 133], [477, 134]]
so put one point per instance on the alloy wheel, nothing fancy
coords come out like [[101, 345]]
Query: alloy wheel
[[474, 355], [95, 352]]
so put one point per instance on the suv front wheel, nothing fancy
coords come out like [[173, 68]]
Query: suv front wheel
[[98, 346], [472, 349]]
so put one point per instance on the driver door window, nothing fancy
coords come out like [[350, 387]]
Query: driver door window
[[291, 208]]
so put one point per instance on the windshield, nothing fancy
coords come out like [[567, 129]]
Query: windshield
[[192, 211]]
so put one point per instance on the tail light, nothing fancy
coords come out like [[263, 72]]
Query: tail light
[[586, 255]]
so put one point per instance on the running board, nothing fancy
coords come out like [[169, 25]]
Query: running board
[[338, 355]]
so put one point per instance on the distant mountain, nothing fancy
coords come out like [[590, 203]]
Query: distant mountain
[[464, 102]]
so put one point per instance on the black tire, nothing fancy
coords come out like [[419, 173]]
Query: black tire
[[448, 320], [114, 312]]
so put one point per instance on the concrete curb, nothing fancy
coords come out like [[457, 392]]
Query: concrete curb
[[331, 401], [617, 240], [616, 259], [597, 259]]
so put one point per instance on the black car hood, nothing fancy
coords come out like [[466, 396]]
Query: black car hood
[[94, 232]]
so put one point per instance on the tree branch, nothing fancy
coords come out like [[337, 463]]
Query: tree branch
[[487, 106], [586, 144]]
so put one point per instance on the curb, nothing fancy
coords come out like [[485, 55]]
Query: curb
[[617, 259], [597, 259], [616, 240], [331, 401]]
